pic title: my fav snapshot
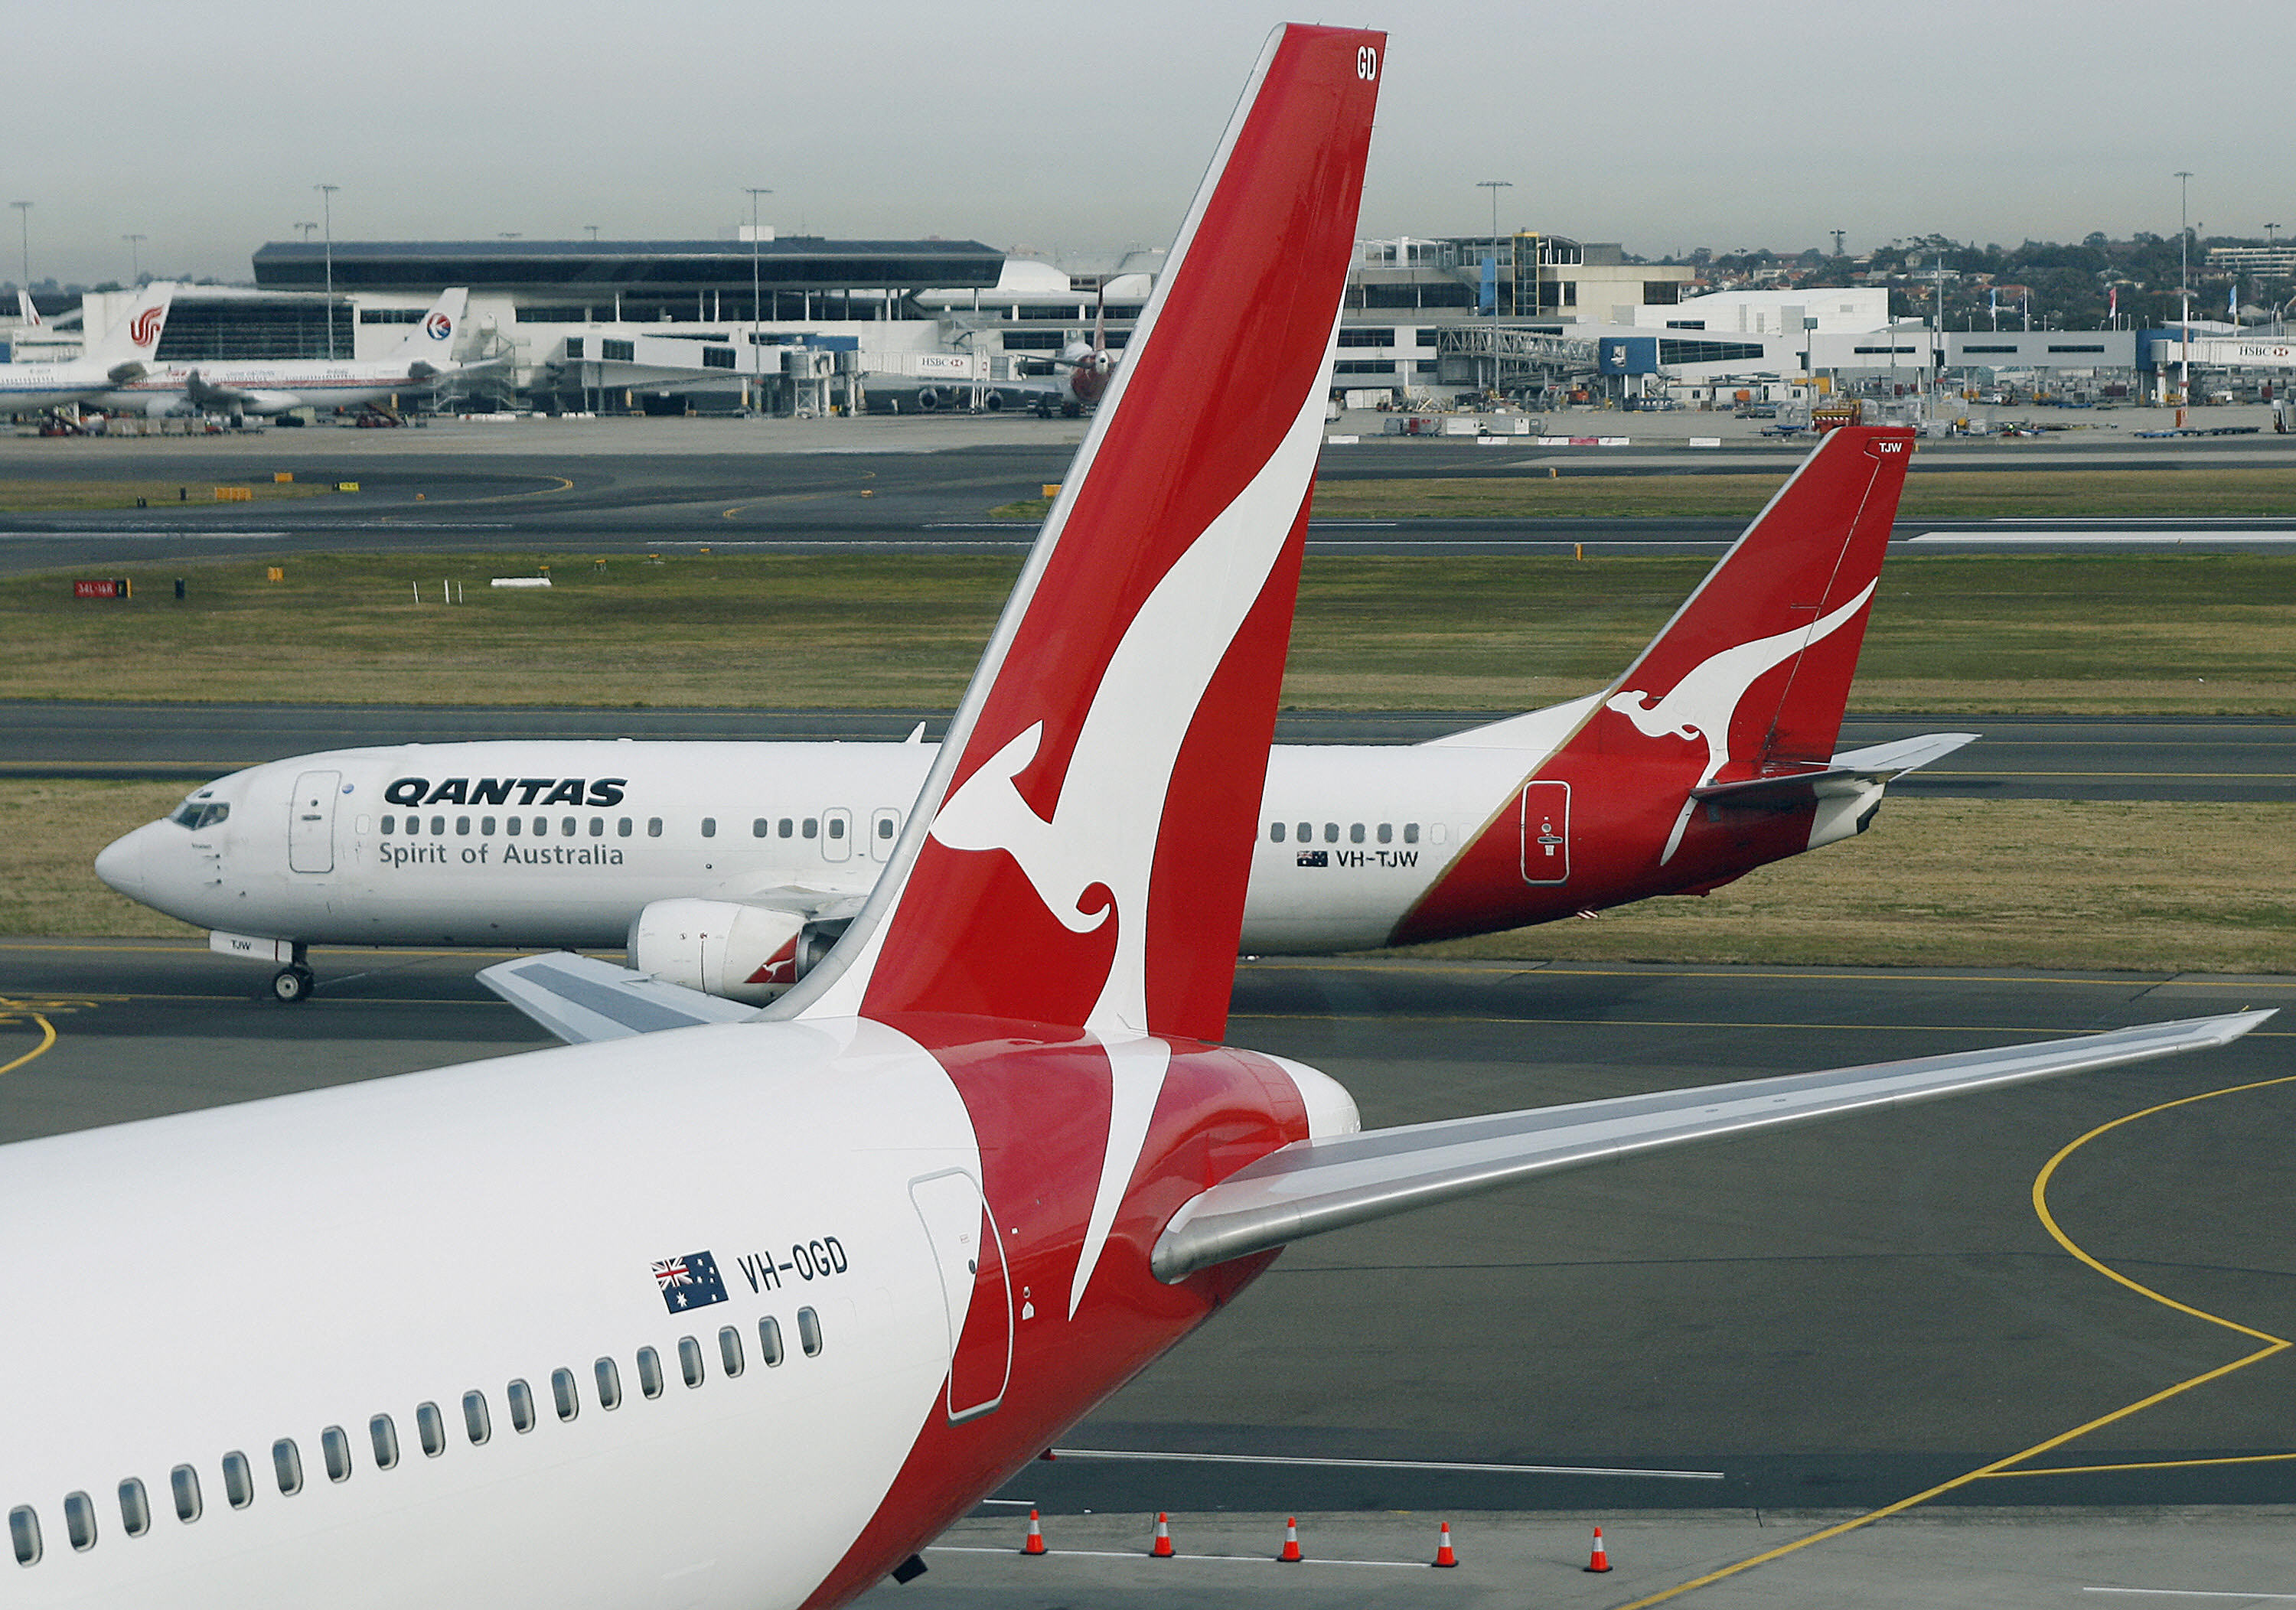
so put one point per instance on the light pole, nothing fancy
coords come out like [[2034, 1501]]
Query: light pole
[[1495, 186], [2184, 296], [593, 228], [306, 229], [135, 259], [327, 219], [757, 291], [24, 218]]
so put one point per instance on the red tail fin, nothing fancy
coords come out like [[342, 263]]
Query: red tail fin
[[1079, 853], [1758, 662]]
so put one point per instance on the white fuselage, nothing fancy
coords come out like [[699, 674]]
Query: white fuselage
[[267, 388], [324, 849]]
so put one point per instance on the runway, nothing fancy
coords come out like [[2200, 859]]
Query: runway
[[2019, 756], [1837, 1317], [871, 486]]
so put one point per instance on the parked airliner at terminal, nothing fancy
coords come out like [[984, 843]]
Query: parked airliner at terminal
[[743, 1314], [731, 867]]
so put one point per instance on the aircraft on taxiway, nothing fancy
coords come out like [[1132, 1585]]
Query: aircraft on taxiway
[[124, 354], [731, 867], [745, 1314]]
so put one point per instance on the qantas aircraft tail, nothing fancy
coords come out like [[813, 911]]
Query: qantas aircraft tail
[[1080, 850]]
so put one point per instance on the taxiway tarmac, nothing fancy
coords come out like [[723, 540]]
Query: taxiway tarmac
[[1838, 1317]]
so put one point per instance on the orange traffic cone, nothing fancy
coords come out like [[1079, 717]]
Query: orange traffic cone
[[1291, 1555], [1035, 1543], [1443, 1555], [1598, 1560], [1161, 1549]]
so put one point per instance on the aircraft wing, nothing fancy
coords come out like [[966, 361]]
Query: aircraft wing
[[1845, 773], [1310, 1187], [581, 999]]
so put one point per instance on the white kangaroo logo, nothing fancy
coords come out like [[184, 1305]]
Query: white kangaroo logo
[[1705, 701]]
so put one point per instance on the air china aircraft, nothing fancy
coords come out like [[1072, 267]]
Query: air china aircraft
[[731, 867], [123, 354], [744, 1313], [241, 387]]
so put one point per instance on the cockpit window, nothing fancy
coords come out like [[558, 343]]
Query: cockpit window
[[197, 814]]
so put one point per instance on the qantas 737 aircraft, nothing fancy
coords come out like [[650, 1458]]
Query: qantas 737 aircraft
[[744, 1313], [730, 867]]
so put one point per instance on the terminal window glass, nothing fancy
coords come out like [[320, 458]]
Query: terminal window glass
[[1366, 336], [614, 352], [2098, 347], [717, 357], [573, 342], [1965, 350]]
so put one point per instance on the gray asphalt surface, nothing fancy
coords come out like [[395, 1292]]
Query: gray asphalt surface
[[1837, 1317], [2020, 757], [624, 485]]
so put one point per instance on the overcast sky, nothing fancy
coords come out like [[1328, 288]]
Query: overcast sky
[[1082, 128]]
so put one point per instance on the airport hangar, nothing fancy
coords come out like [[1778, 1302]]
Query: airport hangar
[[670, 325]]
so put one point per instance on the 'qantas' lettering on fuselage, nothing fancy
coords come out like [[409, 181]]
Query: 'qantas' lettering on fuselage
[[496, 791]]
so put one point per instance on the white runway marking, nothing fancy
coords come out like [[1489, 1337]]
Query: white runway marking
[[1253, 1458], [1995, 539]]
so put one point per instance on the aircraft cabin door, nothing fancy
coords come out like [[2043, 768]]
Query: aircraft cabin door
[[1546, 832], [837, 835], [884, 833], [311, 823], [974, 1287]]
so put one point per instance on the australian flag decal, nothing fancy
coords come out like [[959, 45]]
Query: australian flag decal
[[1315, 858], [691, 1282]]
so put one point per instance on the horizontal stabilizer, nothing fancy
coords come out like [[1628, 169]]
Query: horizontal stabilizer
[[1846, 774], [581, 999], [1902, 755], [1310, 1187], [125, 374]]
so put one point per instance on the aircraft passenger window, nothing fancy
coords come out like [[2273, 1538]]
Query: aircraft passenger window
[[1355, 833], [653, 827], [729, 1351], [808, 1332], [384, 1437], [335, 1453], [1436, 833], [485, 827], [238, 1481], [1411, 832], [769, 1341], [689, 1360], [462, 827], [812, 826], [521, 1407], [1387, 832], [1275, 832], [884, 827], [24, 1532], [1307, 832], [541, 826], [135, 1508], [287, 1466], [1330, 832], [562, 1394], [477, 1423], [622, 827], [709, 827], [761, 827], [650, 1372], [361, 824], [597, 827], [430, 1429], [511, 826], [568, 827], [785, 827], [609, 1378], [79, 1520], [184, 1482], [389, 824], [837, 827], [437, 827]]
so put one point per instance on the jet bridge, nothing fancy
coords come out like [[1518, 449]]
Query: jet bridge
[[1506, 358]]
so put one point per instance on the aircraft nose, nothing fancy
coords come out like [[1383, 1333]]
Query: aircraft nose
[[125, 863]]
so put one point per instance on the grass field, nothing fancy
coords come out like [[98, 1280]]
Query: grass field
[[2084, 635], [29, 496], [1930, 494], [1935, 883]]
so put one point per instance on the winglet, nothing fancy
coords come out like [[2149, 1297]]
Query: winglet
[[1080, 850]]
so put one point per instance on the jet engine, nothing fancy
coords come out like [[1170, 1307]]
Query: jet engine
[[722, 947], [929, 398]]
